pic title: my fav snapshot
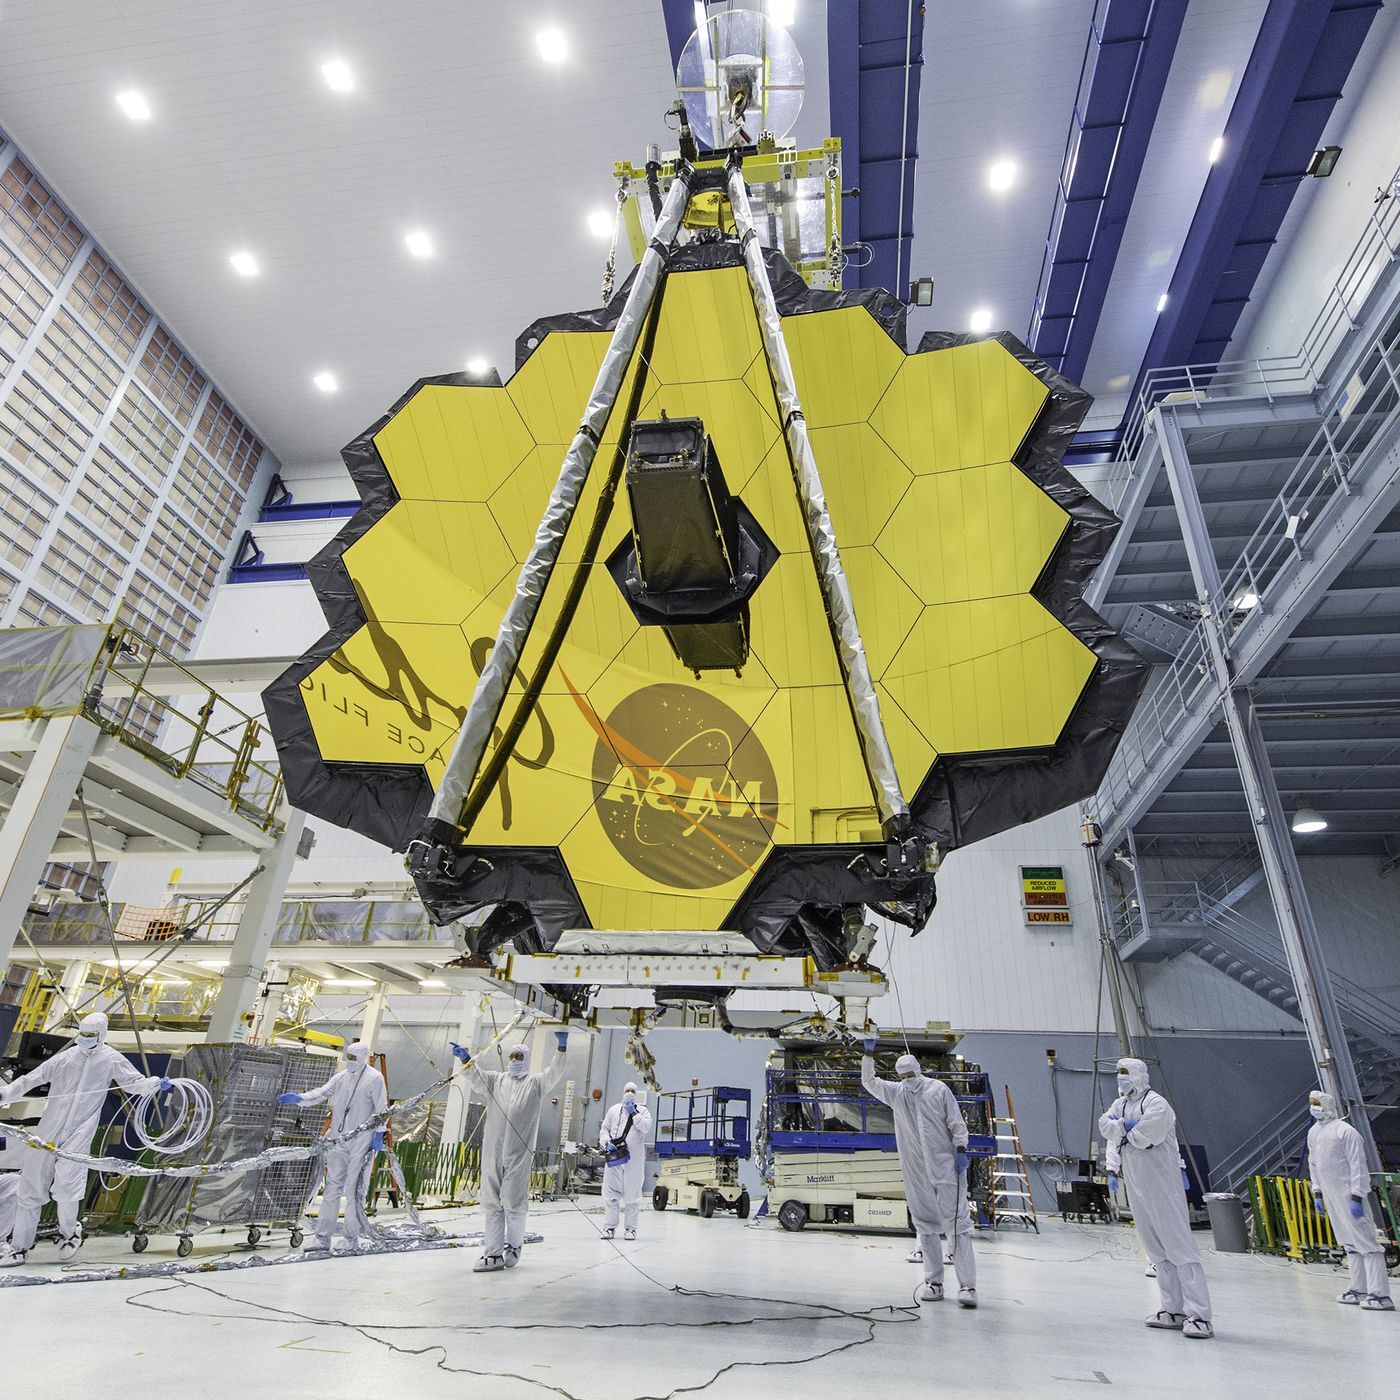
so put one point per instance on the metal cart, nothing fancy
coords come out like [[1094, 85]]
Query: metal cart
[[701, 1137], [245, 1081]]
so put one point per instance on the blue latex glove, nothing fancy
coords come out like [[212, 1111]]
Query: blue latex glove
[[869, 1043], [561, 1039], [285, 1099], [1130, 1123], [1185, 1180], [631, 1108], [1317, 1203], [1358, 1208], [962, 1161], [1112, 1181], [166, 1085], [459, 1052], [377, 1142]]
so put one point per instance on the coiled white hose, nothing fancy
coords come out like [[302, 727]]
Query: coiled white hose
[[187, 1114]]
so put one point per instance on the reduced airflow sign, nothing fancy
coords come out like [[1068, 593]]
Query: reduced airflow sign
[[1044, 898]]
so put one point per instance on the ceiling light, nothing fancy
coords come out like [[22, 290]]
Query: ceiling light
[[600, 223], [1216, 147], [325, 381], [418, 243], [477, 365], [1306, 818], [338, 76], [1001, 175], [1161, 303], [432, 982], [134, 105], [216, 966], [1247, 600], [552, 45], [980, 322], [782, 12], [349, 981], [169, 981], [244, 264]]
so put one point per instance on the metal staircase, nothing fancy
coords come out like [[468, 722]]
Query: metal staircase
[[1199, 917]]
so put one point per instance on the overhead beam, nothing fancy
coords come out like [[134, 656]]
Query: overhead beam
[[1126, 63], [1301, 58], [875, 58]]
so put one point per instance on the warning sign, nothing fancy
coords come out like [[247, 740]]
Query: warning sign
[[1044, 897]]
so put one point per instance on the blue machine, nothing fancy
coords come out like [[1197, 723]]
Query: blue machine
[[703, 1123], [828, 1110], [701, 1137]]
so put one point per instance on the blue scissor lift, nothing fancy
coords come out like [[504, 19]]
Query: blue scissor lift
[[701, 1137]]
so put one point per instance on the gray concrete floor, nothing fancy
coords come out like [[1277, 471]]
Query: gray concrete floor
[[820, 1313]]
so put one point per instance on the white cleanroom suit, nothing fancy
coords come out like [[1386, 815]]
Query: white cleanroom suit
[[357, 1094], [622, 1186], [79, 1079], [929, 1131], [1151, 1164], [513, 1100], [1337, 1166]]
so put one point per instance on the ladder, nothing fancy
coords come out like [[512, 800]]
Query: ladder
[[1011, 1199]]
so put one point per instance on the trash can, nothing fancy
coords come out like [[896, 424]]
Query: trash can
[[1227, 1222]]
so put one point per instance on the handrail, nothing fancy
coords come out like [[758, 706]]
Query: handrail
[[1184, 901], [1328, 471], [1277, 1143], [1343, 305]]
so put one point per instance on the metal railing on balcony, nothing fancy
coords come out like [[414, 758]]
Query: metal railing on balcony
[[1336, 465], [1344, 305]]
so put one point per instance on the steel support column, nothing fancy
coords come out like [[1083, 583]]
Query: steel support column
[[35, 820], [1301, 944], [253, 938], [454, 1116], [374, 1016]]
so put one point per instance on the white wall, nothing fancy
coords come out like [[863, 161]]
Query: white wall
[[1328, 215]]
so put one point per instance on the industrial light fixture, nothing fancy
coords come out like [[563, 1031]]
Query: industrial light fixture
[[600, 223], [418, 243], [1323, 162], [980, 322], [1217, 147], [134, 105], [1161, 303], [921, 291], [476, 365], [244, 264], [338, 76], [349, 981], [325, 381], [782, 12], [1247, 600], [1001, 175], [1306, 818], [552, 45], [432, 982]]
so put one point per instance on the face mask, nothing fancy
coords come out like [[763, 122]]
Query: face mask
[[516, 1069], [1125, 1084], [87, 1042], [629, 1098], [1317, 1110]]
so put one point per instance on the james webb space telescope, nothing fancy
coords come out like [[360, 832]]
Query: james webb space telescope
[[719, 622]]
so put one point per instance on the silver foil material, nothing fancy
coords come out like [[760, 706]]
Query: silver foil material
[[496, 675], [821, 536]]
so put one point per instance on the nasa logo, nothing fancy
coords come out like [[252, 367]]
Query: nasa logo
[[684, 790]]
